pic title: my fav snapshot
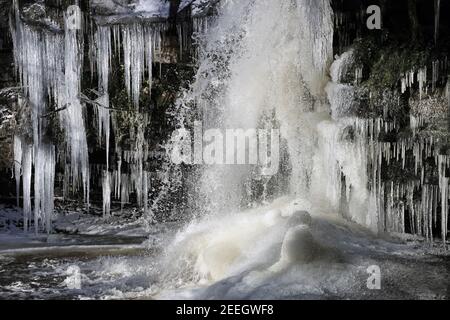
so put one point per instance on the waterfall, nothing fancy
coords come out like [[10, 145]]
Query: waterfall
[[261, 63], [262, 58]]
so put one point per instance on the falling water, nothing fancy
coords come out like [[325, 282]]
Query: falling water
[[262, 58], [262, 62]]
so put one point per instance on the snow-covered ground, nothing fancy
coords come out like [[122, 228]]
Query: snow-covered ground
[[235, 256], [69, 228], [108, 250]]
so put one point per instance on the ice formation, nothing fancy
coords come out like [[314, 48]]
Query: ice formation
[[34, 55], [72, 114], [103, 54], [106, 188], [17, 165], [437, 14], [49, 68], [26, 184]]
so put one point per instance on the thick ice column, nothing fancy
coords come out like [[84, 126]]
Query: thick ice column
[[26, 184], [72, 109], [35, 55], [145, 191], [124, 190], [443, 163], [103, 42], [104, 119], [44, 175]]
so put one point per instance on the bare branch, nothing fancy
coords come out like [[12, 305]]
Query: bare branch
[[55, 111], [85, 99]]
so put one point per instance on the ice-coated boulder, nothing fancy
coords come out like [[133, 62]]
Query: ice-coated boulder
[[298, 246], [300, 217]]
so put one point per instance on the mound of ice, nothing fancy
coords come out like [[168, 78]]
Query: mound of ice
[[299, 245]]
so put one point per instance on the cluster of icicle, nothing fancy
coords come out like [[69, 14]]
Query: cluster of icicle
[[439, 73], [353, 156], [49, 65], [49, 68], [135, 45], [355, 166]]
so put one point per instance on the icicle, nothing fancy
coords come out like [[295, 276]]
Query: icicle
[[17, 165], [435, 75], [103, 44], [119, 174], [448, 102], [422, 79], [104, 123], [145, 192], [180, 40], [137, 52], [149, 52], [72, 116], [106, 188], [444, 187], [358, 75], [437, 13], [124, 190], [44, 175], [26, 184], [36, 56]]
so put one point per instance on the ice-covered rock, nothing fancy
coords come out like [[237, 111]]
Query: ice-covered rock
[[298, 246], [300, 218]]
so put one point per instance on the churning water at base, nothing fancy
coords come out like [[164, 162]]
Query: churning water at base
[[234, 257]]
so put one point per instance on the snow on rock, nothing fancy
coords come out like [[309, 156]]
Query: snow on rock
[[159, 8]]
